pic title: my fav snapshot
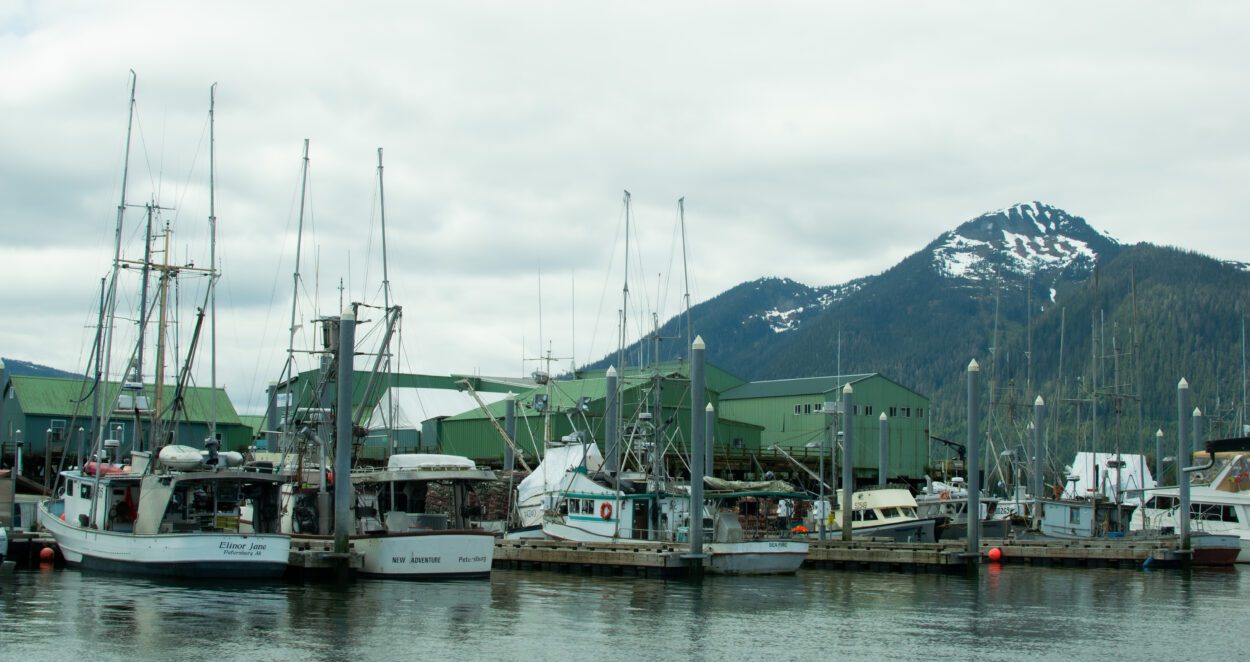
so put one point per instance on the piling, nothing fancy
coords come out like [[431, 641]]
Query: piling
[[1159, 456], [974, 465], [883, 449], [271, 419], [1038, 479], [1182, 459], [848, 447], [698, 457], [343, 433], [611, 424], [509, 427], [698, 395]]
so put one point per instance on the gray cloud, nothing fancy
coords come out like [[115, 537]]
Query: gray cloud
[[815, 141]]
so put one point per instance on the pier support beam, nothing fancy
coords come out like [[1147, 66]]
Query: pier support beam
[[1183, 455], [343, 525], [848, 458]]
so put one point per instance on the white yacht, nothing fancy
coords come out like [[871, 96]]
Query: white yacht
[[885, 512], [1219, 503]]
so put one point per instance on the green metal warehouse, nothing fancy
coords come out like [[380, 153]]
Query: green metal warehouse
[[794, 416]]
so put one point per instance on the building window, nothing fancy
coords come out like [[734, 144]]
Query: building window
[[798, 409], [807, 409], [919, 412], [818, 407], [906, 412], [867, 410], [893, 412], [739, 443]]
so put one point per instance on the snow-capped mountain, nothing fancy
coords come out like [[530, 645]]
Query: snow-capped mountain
[[1029, 239]]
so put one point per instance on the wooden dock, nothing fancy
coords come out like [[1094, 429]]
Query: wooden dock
[[316, 558], [628, 559]]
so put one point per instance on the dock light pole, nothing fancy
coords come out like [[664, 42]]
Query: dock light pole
[[883, 449], [343, 433], [974, 464], [848, 448], [1039, 482], [1183, 455]]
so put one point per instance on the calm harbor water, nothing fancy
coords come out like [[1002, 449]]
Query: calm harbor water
[[1003, 613]]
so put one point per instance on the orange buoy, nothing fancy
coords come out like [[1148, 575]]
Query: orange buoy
[[46, 555], [995, 554]]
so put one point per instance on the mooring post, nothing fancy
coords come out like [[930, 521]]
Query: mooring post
[[698, 455], [883, 449], [611, 424], [974, 465], [1159, 456], [271, 419], [1183, 455], [1039, 482], [343, 525], [848, 448]]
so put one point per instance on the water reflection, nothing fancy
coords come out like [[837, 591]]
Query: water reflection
[[1007, 612]]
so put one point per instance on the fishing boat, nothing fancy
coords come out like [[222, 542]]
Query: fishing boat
[[166, 509], [394, 524], [147, 518], [947, 503]]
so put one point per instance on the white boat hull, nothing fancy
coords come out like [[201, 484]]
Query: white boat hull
[[427, 555], [755, 557], [208, 555]]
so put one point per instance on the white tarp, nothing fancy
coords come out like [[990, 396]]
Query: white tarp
[[1095, 473], [550, 474], [414, 406]]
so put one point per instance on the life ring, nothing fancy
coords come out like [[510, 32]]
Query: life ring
[[605, 510], [944, 496]]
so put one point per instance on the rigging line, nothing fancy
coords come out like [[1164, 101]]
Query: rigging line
[[603, 292]]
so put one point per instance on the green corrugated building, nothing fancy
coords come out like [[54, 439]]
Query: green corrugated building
[[792, 413], [35, 405]]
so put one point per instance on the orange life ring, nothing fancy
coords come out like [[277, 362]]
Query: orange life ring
[[605, 510], [944, 496]]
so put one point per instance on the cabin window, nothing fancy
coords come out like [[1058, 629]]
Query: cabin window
[[1210, 512], [1074, 515], [69, 487], [588, 506], [84, 490], [1161, 502], [889, 512]]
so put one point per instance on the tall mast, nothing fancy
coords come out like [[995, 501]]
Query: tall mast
[[107, 343], [386, 306], [681, 208], [299, 236], [212, 268], [620, 351], [117, 255], [158, 389], [143, 298]]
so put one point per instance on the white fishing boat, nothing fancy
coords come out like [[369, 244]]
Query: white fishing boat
[[176, 514], [585, 508], [149, 519], [947, 503]]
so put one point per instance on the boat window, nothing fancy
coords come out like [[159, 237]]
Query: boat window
[[889, 512], [1212, 512], [909, 511], [84, 490], [69, 487], [588, 506], [1074, 515], [1161, 502]]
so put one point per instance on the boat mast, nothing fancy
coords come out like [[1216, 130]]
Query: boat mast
[[681, 208], [299, 235], [620, 347], [143, 303], [107, 343], [386, 306], [158, 389], [212, 267]]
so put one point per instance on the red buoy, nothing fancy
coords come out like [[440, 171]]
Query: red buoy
[[46, 555], [995, 554]]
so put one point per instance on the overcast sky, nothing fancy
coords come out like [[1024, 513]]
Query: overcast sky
[[817, 141]]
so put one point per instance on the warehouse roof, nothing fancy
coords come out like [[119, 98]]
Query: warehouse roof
[[780, 388], [56, 396]]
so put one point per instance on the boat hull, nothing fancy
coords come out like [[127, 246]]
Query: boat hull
[[1216, 549], [755, 557], [192, 555], [443, 554]]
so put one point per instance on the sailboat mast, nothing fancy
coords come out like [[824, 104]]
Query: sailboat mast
[[143, 298], [212, 266], [685, 274], [299, 236]]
